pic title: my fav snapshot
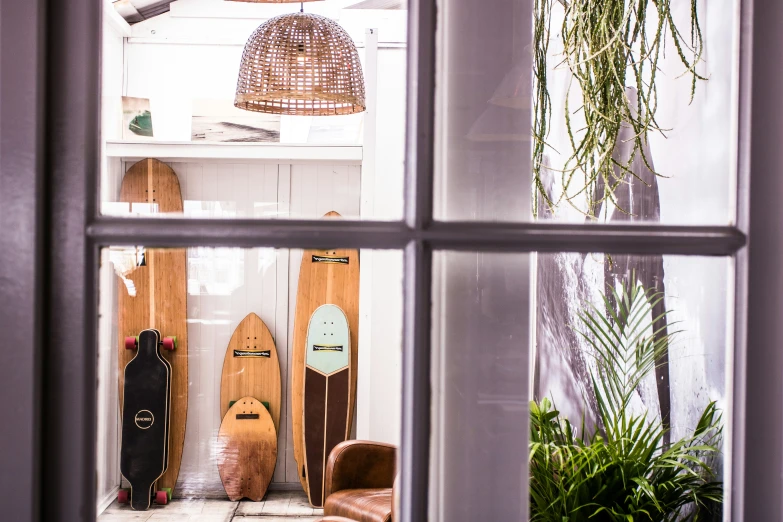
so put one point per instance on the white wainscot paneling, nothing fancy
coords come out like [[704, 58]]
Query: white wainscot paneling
[[107, 451], [108, 445], [229, 190], [225, 285]]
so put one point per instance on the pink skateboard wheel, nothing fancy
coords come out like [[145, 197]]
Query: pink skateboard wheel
[[161, 497], [168, 343], [122, 496], [130, 343]]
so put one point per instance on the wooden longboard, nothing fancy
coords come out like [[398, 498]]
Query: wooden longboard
[[327, 378], [145, 419], [251, 367], [154, 296], [325, 277], [246, 450]]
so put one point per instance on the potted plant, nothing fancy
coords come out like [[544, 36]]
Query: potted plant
[[622, 469]]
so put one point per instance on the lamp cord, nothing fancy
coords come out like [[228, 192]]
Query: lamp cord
[[301, 7]]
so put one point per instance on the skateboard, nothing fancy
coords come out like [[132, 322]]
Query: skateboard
[[251, 368], [144, 449], [325, 277], [153, 295], [246, 450], [327, 378]]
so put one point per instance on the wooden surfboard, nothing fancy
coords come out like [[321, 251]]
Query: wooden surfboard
[[325, 277], [154, 295], [327, 378], [246, 450], [251, 367]]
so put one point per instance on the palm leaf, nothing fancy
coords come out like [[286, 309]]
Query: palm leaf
[[622, 471]]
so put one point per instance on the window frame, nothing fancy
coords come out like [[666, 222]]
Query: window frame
[[49, 160]]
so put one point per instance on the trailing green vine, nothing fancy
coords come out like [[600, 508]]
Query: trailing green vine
[[608, 46]]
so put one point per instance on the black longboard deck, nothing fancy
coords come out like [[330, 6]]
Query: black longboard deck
[[145, 419]]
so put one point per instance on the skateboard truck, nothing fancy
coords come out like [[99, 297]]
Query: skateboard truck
[[161, 497], [265, 403], [169, 343]]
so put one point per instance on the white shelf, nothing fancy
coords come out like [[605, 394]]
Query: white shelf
[[263, 152]]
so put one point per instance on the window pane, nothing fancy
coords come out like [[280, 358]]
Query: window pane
[[560, 330], [248, 327], [662, 154], [169, 86]]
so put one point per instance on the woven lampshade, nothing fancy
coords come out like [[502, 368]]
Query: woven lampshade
[[300, 64]]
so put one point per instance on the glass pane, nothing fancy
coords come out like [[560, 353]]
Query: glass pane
[[612, 141], [168, 114], [612, 343], [305, 333]]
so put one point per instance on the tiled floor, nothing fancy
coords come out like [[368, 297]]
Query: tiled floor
[[277, 506]]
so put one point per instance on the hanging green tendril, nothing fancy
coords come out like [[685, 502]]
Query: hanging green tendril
[[608, 45]]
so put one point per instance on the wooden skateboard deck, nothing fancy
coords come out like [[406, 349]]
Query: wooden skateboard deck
[[154, 296], [325, 277], [246, 450], [251, 367], [145, 419], [327, 378]]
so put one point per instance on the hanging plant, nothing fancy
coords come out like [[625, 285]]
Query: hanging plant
[[608, 46]]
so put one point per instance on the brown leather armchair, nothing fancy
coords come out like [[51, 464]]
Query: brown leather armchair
[[359, 481]]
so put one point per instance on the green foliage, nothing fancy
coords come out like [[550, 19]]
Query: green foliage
[[609, 45], [622, 472]]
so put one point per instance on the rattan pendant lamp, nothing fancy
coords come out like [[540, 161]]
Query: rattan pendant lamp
[[300, 64]]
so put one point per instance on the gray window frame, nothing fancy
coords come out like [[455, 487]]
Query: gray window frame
[[51, 234]]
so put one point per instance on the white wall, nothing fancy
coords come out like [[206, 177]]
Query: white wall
[[227, 284], [189, 54], [108, 422]]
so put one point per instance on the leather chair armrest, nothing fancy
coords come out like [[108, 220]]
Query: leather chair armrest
[[358, 464]]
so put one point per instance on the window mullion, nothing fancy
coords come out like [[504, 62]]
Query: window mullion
[[419, 151], [474, 236], [416, 383], [69, 402], [22, 236]]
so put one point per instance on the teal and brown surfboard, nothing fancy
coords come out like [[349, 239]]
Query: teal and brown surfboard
[[327, 378]]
